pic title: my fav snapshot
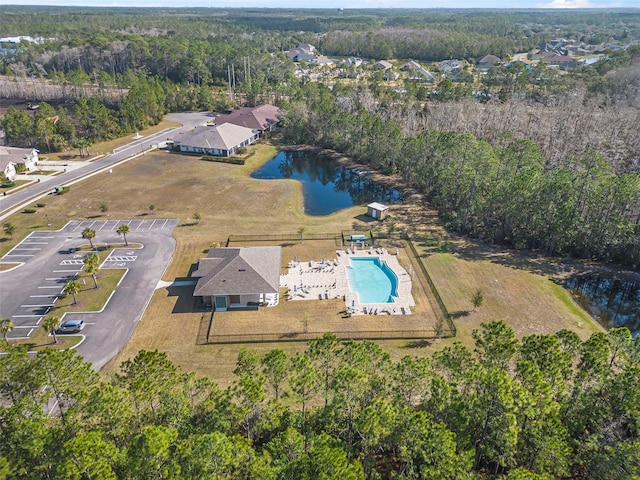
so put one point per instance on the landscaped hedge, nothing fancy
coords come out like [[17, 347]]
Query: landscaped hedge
[[29, 210], [234, 161]]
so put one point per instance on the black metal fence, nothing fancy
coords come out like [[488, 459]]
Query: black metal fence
[[447, 327], [418, 335], [345, 236]]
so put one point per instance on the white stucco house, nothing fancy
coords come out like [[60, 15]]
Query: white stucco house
[[10, 157], [218, 140]]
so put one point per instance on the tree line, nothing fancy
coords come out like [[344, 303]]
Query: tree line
[[88, 120], [504, 191], [546, 406]]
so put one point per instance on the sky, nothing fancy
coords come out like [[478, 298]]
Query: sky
[[560, 4]]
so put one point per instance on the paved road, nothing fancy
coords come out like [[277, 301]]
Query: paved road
[[14, 202], [28, 292], [49, 260]]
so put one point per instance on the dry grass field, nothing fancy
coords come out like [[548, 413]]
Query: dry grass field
[[230, 202]]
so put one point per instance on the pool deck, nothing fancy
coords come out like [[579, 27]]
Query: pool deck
[[325, 279]]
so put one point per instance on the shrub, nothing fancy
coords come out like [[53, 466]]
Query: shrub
[[29, 210], [21, 168], [40, 205], [62, 190], [233, 161], [7, 184]]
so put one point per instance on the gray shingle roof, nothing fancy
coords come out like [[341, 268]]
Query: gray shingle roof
[[223, 137], [239, 271]]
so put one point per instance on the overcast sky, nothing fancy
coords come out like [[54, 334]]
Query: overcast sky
[[342, 3]]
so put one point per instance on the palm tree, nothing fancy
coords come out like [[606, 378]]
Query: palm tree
[[123, 230], [91, 266], [301, 231], [89, 234], [50, 324], [9, 229], [72, 287], [6, 325]]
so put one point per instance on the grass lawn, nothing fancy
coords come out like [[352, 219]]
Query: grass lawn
[[519, 292], [104, 148], [39, 340], [90, 299], [18, 184]]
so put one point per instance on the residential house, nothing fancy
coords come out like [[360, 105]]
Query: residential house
[[243, 277], [10, 157], [302, 53], [449, 66], [410, 65], [260, 118], [219, 140], [382, 65], [424, 75], [352, 61], [562, 62], [487, 62]]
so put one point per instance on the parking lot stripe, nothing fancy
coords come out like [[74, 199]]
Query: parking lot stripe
[[41, 237], [35, 243], [20, 255], [43, 305], [60, 278], [24, 316], [43, 296], [23, 248], [53, 286]]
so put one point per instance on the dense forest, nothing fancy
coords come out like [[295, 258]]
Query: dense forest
[[548, 406], [524, 155]]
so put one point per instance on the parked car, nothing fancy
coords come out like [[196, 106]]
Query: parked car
[[70, 326]]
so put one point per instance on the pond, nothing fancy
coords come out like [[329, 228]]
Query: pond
[[612, 301], [327, 185]]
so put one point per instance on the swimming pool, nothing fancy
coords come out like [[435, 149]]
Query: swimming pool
[[372, 280]]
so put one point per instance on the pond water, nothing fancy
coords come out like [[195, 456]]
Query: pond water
[[327, 185], [613, 302]]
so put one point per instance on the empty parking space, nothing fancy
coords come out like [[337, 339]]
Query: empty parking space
[[148, 224], [51, 258]]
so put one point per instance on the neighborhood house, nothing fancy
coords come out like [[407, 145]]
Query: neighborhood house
[[260, 118], [243, 277], [219, 140], [10, 157]]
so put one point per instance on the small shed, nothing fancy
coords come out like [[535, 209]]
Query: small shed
[[377, 210]]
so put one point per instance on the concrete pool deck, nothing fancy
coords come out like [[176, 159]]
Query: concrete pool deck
[[327, 279]]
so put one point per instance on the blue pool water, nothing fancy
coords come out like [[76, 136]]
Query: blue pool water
[[373, 280], [327, 185]]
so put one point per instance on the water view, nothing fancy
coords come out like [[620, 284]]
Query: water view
[[327, 185], [612, 301]]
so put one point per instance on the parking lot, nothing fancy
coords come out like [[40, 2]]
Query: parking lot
[[49, 259]]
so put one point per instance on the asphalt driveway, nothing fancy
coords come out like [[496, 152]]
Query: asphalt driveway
[[49, 260]]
